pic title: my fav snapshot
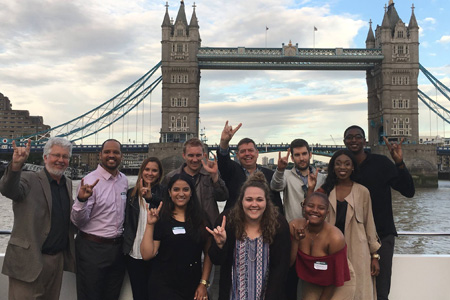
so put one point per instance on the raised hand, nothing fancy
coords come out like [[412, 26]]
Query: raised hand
[[227, 134], [312, 180], [153, 214], [299, 233], [146, 190], [219, 233], [283, 161], [395, 150], [86, 190], [211, 167], [20, 155]]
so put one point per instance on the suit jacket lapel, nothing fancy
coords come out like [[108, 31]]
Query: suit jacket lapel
[[46, 187]]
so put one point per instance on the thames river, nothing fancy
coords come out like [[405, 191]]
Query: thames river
[[428, 211]]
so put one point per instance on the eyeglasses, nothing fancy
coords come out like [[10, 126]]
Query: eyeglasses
[[59, 156], [357, 137]]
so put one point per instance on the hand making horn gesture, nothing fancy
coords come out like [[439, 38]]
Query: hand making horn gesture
[[20, 155], [153, 214], [283, 161], [219, 233], [227, 134], [395, 150], [211, 167], [86, 190], [145, 189], [312, 180], [299, 232]]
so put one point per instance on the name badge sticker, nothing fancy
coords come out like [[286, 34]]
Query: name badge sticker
[[178, 230], [320, 265], [123, 195]]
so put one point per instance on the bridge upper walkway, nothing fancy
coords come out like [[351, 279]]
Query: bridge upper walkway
[[290, 58]]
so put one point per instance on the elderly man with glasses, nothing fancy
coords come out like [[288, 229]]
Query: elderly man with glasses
[[42, 240]]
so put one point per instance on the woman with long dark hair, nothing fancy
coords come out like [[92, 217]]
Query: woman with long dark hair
[[252, 245], [148, 190], [176, 241], [351, 212]]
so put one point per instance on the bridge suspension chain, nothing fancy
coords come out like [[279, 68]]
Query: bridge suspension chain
[[103, 116]]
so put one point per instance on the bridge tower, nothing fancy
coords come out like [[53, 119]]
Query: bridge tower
[[392, 86], [180, 77]]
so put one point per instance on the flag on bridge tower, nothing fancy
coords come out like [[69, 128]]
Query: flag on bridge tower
[[315, 28], [267, 28]]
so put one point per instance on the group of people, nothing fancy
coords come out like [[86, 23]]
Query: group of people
[[333, 231]]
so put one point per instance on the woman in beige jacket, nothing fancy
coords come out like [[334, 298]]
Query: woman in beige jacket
[[351, 211]]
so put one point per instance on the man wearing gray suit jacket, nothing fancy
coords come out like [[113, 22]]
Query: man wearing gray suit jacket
[[41, 244]]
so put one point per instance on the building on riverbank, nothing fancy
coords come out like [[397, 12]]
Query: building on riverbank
[[17, 123]]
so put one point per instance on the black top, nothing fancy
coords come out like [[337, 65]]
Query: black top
[[341, 214], [132, 215], [178, 265], [379, 174], [234, 176], [58, 237]]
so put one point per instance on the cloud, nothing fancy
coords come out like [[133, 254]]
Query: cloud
[[445, 39], [60, 59], [429, 20]]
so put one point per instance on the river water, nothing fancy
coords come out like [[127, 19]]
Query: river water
[[428, 211]]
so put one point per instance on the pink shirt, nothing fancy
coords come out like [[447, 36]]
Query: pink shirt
[[104, 212]]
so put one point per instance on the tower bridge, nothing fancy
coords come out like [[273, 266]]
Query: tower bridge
[[390, 61]]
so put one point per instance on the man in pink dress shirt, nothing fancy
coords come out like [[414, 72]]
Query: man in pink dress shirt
[[99, 212]]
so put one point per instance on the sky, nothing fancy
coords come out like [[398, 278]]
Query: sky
[[59, 59]]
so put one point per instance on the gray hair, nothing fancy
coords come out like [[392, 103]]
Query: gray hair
[[59, 141]]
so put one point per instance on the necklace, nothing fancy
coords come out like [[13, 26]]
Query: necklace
[[313, 238]]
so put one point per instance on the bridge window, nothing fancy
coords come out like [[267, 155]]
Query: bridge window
[[394, 103], [400, 49], [406, 103], [173, 79], [179, 48], [400, 34], [180, 32], [186, 79]]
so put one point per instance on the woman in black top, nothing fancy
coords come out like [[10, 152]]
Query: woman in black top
[[176, 242], [147, 190]]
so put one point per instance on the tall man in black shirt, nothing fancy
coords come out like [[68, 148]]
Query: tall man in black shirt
[[379, 174], [41, 244]]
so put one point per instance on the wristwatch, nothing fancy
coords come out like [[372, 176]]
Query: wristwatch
[[205, 282], [376, 255]]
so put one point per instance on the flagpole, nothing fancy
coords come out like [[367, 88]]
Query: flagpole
[[314, 37], [266, 36]]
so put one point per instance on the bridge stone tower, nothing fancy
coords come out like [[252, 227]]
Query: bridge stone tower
[[180, 77], [392, 87]]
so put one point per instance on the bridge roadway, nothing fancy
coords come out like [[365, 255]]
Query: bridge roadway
[[317, 149]]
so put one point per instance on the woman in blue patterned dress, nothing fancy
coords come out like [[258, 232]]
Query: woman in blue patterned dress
[[252, 246]]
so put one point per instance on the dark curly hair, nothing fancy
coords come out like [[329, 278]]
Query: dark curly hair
[[331, 180], [269, 221]]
